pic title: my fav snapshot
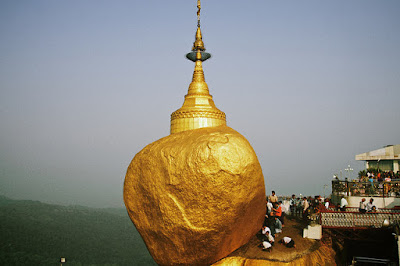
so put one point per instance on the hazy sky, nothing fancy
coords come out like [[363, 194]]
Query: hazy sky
[[85, 85]]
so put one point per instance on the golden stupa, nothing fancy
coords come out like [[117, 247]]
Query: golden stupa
[[198, 109], [197, 194]]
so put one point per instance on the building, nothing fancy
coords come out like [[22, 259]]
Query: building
[[385, 159]]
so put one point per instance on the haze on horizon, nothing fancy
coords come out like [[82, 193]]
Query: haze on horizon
[[85, 85]]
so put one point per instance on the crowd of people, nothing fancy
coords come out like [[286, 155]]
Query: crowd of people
[[273, 223], [363, 205], [378, 175], [370, 182], [303, 207]]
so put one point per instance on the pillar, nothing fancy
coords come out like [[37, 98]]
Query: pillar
[[395, 166]]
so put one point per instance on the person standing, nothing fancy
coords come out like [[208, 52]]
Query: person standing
[[283, 212], [293, 205], [273, 198], [343, 204], [326, 204], [299, 207], [305, 206]]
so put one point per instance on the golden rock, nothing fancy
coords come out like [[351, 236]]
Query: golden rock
[[195, 196]]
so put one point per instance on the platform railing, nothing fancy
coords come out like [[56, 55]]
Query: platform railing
[[352, 219], [366, 188], [354, 209]]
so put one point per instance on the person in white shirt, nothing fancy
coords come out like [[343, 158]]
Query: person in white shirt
[[370, 206], [343, 204], [305, 206], [269, 207], [288, 242], [267, 240], [271, 239], [267, 236], [326, 204], [266, 246], [265, 229]]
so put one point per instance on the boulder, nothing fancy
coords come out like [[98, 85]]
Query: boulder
[[195, 196]]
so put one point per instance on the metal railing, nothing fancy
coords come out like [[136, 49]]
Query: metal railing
[[366, 188]]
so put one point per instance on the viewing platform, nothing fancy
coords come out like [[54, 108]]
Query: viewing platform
[[386, 196], [366, 188]]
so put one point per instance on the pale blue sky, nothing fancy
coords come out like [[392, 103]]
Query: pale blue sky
[[85, 85]]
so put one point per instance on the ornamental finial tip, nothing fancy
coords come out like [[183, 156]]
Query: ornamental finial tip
[[198, 44], [198, 13]]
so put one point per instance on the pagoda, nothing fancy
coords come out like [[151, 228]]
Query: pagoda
[[198, 109]]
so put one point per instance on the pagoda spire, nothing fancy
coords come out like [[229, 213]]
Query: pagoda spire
[[198, 109]]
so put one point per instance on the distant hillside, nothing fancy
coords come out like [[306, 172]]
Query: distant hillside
[[35, 233]]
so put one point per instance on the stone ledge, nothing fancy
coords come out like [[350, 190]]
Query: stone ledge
[[307, 251], [324, 255]]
